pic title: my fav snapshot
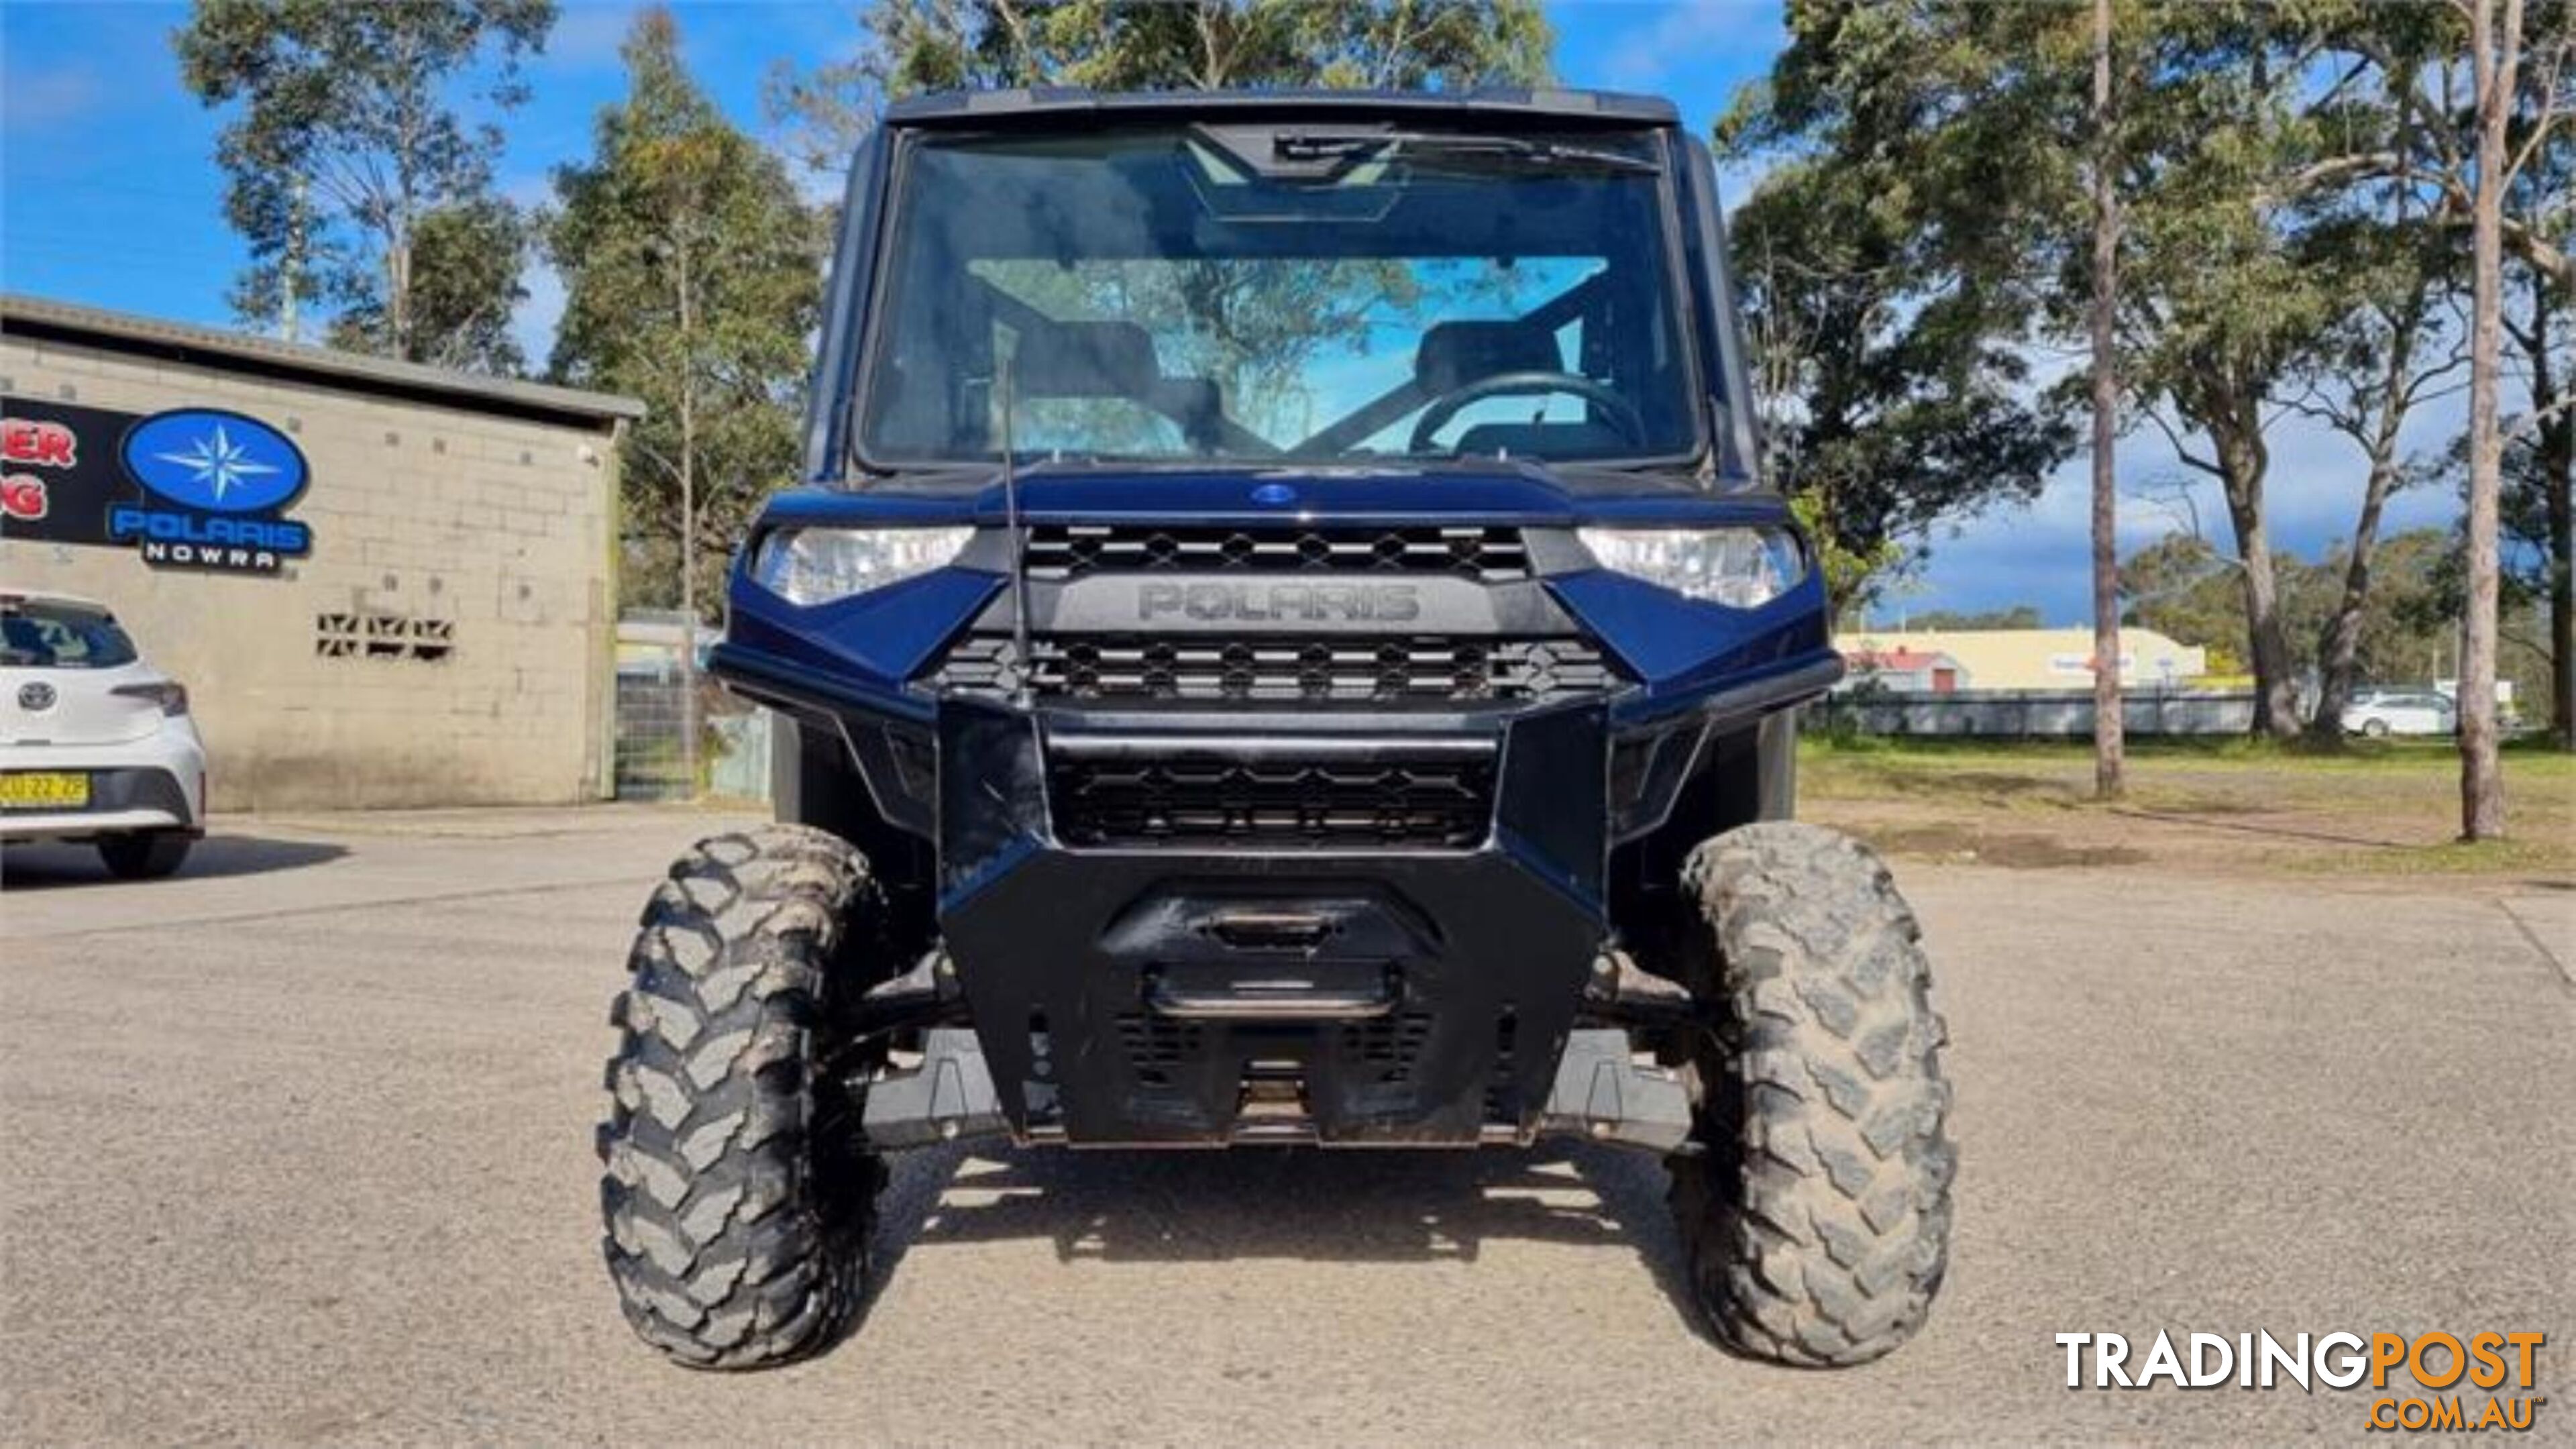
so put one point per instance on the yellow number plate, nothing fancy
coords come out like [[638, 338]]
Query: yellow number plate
[[44, 790]]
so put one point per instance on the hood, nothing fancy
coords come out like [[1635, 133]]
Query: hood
[[1477, 490]]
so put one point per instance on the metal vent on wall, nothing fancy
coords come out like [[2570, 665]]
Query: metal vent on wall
[[384, 637]]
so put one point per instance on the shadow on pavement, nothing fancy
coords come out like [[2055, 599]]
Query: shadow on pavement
[[51, 864], [1354, 1206]]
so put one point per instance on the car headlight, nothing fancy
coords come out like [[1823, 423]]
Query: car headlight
[[1738, 567], [818, 565]]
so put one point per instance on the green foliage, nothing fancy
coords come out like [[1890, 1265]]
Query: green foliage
[[910, 46], [692, 275], [2019, 616], [2288, 185], [1895, 261], [2227, 276], [2184, 588], [466, 262], [351, 173], [1852, 573]]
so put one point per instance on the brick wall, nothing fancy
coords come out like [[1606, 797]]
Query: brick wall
[[448, 639]]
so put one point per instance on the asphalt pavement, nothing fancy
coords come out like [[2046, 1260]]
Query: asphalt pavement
[[298, 1150]]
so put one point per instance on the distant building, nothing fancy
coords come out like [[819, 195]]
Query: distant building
[[1914, 661], [1905, 671], [383, 584]]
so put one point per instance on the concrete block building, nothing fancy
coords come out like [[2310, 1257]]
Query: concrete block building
[[383, 584]]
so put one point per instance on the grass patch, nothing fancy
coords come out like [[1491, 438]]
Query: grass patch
[[2376, 807], [2530, 756], [2539, 856]]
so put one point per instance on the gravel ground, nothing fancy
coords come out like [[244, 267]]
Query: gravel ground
[[299, 1150]]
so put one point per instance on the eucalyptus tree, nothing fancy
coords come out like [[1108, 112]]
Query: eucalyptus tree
[[1896, 258], [351, 168], [692, 278], [908, 46]]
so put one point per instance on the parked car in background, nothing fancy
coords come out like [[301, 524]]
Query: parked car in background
[[2379, 713], [95, 744]]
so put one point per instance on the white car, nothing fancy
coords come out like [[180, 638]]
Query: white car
[[95, 744], [2390, 712]]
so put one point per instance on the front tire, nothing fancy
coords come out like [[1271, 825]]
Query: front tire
[[738, 1196], [1817, 1215], [149, 855]]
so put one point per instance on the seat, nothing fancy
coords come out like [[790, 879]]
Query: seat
[[1085, 359], [1114, 359], [1454, 354]]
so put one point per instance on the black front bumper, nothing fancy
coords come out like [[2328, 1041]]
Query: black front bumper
[[1211, 980]]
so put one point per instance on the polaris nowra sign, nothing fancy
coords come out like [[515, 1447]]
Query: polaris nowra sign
[[194, 488], [224, 478]]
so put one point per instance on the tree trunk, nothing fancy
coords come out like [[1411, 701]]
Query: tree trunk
[[688, 527], [2339, 648], [2243, 460], [2493, 65], [398, 297], [2558, 463], [2109, 746], [291, 266], [2555, 453]]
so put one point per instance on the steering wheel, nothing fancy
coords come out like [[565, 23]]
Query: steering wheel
[[1621, 413]]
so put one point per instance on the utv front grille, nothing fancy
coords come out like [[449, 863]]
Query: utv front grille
[[1068, 551], [1287, 804], [1158, 1047], [1385, 1050], [1279, 668]]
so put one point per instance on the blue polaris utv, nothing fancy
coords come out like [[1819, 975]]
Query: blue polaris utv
[[1283, 641]]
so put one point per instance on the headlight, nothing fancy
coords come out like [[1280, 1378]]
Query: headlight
[[818, 565], [1739, 567]]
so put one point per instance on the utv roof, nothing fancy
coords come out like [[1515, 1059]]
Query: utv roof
[[1073, 104]]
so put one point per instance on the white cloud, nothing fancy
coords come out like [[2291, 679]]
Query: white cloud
[[1687, 33], [533, 322], [586, 36], [32, 100]]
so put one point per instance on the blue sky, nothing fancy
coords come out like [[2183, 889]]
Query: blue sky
[[109, 196]]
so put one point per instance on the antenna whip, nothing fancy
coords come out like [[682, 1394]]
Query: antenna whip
[[1019, 538]]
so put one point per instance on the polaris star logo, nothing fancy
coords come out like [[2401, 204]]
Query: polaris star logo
[[1302, 603], [215, 461], [217, 485]]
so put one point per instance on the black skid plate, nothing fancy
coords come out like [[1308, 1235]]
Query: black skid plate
[[1200, 994]]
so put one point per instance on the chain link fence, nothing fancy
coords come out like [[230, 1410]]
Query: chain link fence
[[652, 761], [2028, 714]]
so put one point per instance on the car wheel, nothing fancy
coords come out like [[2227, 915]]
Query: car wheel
[[2376, 729], [149, 855]]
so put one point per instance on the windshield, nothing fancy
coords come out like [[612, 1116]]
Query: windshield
[[39, 635], [1259, 293]]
